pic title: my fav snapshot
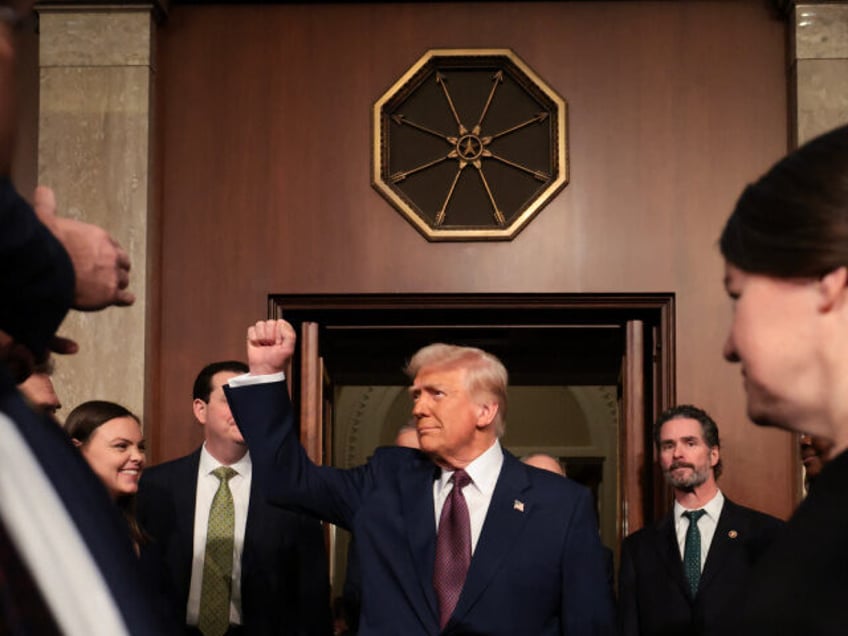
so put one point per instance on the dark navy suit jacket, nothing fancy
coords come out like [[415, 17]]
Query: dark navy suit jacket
[[36, 275], [654, 595], [538, 568], [284, 575]]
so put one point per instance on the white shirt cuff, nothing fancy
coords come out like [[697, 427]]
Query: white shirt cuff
[[247, 379]]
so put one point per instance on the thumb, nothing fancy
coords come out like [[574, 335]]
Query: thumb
[[44, 203]]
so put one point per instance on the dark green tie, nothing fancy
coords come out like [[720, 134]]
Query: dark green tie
[[214, 617], [692, 550]]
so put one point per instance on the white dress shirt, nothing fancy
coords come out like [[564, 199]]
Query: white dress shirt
[[207, 486], [483, 472], [247, 379], [706, 524]]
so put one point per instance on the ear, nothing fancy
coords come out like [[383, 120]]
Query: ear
[[76, 442], [715, 454], [199, 408], [832, 289], [486, 413]]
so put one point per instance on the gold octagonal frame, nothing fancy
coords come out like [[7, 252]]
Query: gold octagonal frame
[[469, 144]]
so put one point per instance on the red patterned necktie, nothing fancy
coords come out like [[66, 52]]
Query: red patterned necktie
[[453, 548]]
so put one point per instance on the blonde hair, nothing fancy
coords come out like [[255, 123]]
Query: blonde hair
[[485, 374]]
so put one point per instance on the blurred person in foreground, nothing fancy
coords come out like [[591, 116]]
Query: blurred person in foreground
[[786, 272], [67, 562], [39, 390]]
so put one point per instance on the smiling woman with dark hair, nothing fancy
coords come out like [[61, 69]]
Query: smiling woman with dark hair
[[786, 253], [110, 439]]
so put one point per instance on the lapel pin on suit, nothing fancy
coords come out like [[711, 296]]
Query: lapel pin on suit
[[733, 534], [518, 505]]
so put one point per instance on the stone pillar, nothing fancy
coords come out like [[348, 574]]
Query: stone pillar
[[96, 66], [819, 57]]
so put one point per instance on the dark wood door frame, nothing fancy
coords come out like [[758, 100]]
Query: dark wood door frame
[[645, 322]]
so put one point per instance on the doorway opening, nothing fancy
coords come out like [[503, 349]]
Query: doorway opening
[[588, 375]]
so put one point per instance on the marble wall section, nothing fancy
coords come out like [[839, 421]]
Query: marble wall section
[[819, 38], [94, 147]]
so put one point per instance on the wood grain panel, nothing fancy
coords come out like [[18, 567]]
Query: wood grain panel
[[264, 122], [632, 450]]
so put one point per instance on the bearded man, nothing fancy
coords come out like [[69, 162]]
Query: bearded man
[[687, 573]]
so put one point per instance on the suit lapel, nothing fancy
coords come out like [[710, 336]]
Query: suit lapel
[[185, 500], [724, 541], [504, 522], [251, 530], [669, 551], [416, 493]]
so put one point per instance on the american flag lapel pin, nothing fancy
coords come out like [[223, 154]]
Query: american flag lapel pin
[[518, 505]]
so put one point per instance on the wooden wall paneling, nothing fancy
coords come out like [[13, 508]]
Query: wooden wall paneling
[[311, 395], [265, 125], [632, 442]]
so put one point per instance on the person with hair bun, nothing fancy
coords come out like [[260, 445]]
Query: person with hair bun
[[786, 252]]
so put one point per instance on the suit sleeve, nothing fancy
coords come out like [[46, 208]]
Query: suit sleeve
[[587, 603], [313, 589], [265, 416], [37, 280]]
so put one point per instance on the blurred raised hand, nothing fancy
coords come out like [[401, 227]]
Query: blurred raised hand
[[101, 265]]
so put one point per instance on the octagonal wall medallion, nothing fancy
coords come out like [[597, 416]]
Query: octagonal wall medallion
[[469, 144]]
